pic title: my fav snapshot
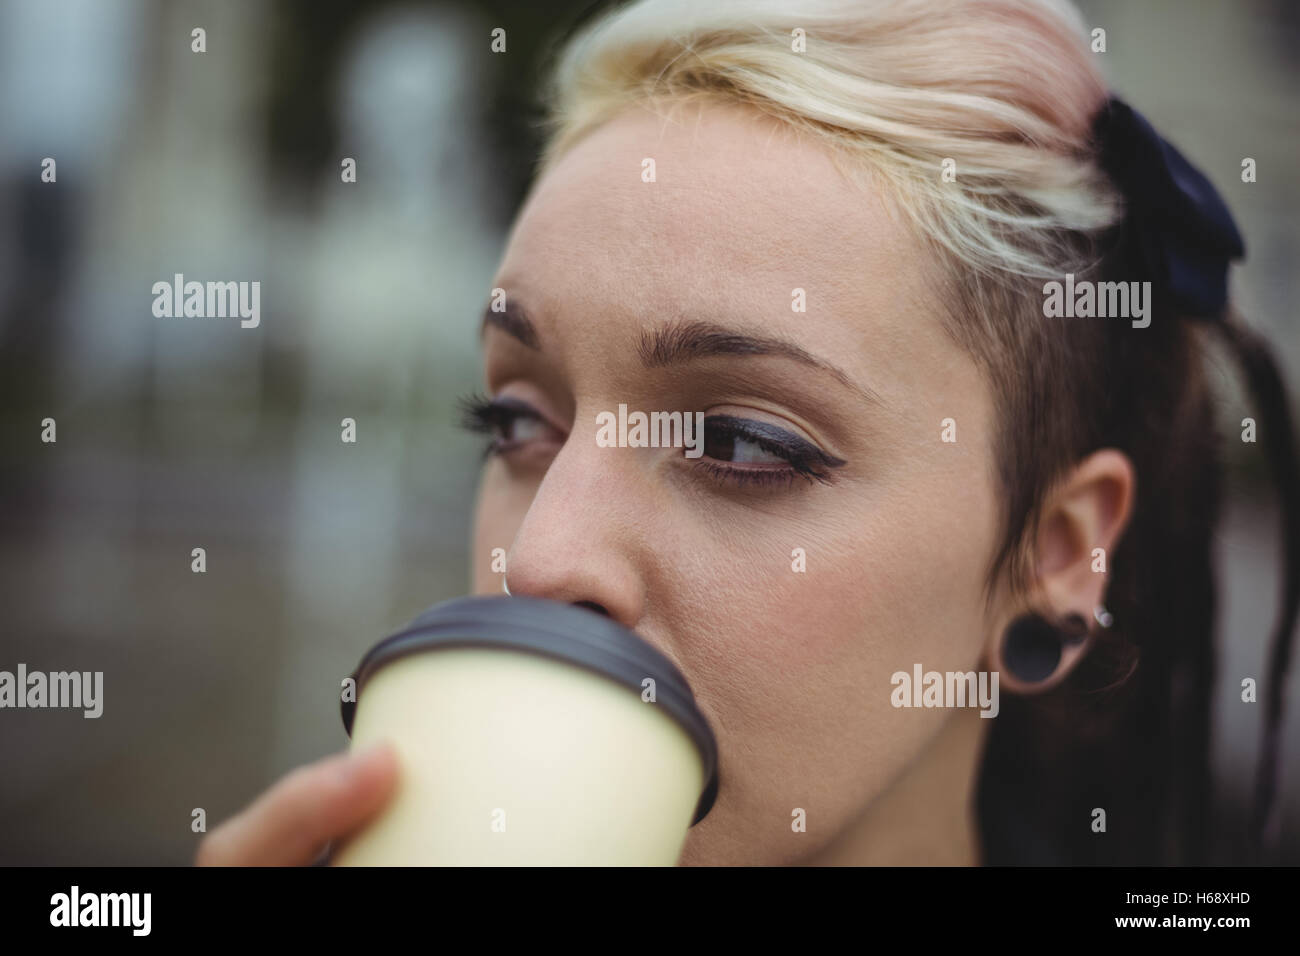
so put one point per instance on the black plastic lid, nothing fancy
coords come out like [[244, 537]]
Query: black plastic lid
[[563, 631]]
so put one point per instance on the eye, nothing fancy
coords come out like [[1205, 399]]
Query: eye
[[733, 447], [511, 423], [744, 451]]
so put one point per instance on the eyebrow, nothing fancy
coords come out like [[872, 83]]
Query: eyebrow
[[514, 321], [683, 341]]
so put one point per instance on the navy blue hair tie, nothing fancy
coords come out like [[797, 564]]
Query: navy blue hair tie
[[1177, 231]]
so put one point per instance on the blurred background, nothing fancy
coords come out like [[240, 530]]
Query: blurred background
[[175, 435]]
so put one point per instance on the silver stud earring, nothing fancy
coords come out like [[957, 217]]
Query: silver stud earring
[[1103, 616]]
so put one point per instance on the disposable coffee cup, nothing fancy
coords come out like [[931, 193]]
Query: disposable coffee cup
[[529, 732]]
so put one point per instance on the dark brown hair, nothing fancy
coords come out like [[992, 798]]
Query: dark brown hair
[[1129, 732]]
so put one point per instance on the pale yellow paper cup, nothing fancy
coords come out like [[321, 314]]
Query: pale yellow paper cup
[[529, 732]]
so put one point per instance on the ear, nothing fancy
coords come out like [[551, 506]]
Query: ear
[[1082, 520], [1085, 511]]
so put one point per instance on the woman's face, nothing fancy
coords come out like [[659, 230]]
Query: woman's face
[[678, 295]]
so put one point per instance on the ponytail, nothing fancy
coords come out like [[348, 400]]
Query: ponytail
[[1278, 437]]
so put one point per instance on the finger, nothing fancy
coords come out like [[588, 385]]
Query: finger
[[291, 823]]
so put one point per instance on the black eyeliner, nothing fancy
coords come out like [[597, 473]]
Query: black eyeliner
[[798, 452]]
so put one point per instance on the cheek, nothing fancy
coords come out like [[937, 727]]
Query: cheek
[[794, 667]]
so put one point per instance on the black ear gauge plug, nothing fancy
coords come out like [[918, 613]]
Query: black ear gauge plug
[[1031, 648], [1033, 644]]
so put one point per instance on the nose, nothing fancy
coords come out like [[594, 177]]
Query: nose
[[581, 536]]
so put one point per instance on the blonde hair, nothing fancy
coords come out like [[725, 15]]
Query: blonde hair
[[1006, 89]]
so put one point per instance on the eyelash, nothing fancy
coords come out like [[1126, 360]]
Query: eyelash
[[487, 416], [490, 416]]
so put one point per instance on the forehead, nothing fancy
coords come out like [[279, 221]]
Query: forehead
[[742, 211]]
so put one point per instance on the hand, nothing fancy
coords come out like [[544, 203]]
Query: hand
[[293, 822]]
